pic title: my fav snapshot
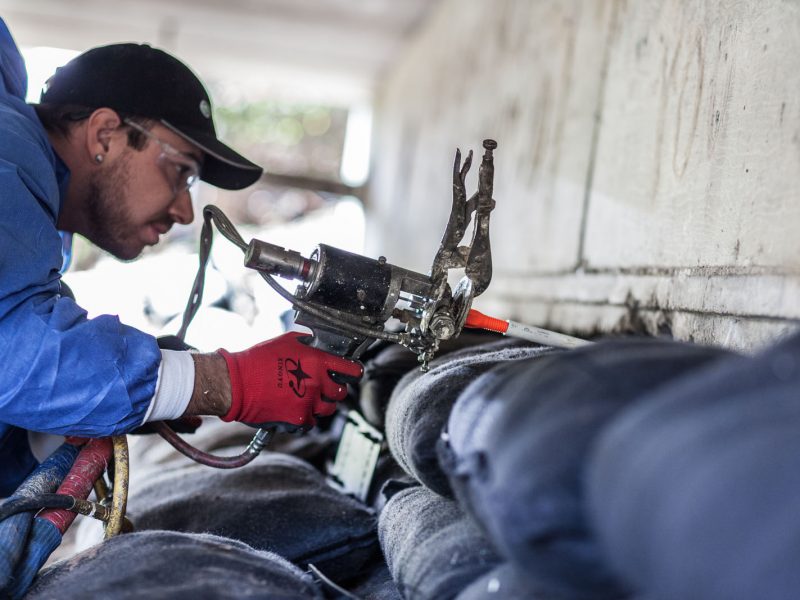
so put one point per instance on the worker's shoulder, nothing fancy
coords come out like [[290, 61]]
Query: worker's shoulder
[[24, 149], [23, 137], [13, 78]]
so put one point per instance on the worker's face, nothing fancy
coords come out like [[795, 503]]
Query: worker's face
[[139, 194]]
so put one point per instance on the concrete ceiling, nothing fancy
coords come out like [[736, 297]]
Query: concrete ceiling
[[332, 51]]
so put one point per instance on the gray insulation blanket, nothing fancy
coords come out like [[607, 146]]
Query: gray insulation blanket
[[277, 503], [432, 549], [694, 492], [169, 565], [421, 403], [522, 475]]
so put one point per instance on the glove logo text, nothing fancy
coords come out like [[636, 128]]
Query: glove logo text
[[295, 369]]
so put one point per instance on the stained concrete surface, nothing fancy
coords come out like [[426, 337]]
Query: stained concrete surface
[[647, 168]]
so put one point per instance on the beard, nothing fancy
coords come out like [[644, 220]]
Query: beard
[[108, 216]]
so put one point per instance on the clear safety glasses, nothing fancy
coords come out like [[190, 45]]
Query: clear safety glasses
[[180, 169]]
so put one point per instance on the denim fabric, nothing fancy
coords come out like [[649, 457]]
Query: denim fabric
[[277, 503], [421, 403], [506, 583], [462, 446], [432, 549], [527, 487], [694, 492], [174, 566]]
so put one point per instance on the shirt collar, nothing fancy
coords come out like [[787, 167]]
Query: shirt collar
[[62, 178]]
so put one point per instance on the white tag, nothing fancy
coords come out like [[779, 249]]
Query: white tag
[[357, 456]]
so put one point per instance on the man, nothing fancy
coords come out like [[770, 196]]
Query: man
[[121, 133]]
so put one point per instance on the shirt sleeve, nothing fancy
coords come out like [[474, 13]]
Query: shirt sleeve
[[174, 387], [61, 372]]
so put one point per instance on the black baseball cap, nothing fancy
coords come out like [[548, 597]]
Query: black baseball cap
[[142, 81]]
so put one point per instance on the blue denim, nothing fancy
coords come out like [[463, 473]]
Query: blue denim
[[421, 403], [504, 582], [522, 475], [694, 491]]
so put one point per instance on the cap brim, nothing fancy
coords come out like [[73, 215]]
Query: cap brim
[[222, 167]]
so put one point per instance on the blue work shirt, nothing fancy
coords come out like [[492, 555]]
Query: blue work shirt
[[60, 372]]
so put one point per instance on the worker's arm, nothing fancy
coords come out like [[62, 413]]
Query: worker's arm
[[211, 393], [60, 371]]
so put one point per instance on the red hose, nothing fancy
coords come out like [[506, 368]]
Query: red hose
[[90, 464], [218, 462]]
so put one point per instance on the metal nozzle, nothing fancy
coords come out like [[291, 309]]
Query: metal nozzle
[[275, 260]]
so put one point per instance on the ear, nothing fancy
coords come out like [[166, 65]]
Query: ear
[[103, 135]]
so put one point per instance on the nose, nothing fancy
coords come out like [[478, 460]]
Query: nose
[[181, 209]]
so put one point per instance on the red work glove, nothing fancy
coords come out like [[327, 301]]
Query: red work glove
[[282, 381]]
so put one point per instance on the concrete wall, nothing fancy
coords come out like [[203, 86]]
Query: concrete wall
[[648, 168]]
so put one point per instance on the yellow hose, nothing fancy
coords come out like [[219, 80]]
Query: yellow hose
[[119, 499]]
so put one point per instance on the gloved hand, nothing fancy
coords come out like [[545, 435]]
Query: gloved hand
[[282, 381]]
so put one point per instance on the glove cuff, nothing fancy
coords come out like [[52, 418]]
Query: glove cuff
[[237, 389]]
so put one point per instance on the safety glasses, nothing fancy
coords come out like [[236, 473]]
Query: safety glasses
[[180, 169]]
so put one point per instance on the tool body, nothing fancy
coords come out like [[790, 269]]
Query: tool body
[[349, 300]]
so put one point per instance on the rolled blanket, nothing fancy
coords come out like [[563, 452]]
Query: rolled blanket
[[432, 548], [693, 492], [421, 403], [174, 566], [277, 503], [524, 473]]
